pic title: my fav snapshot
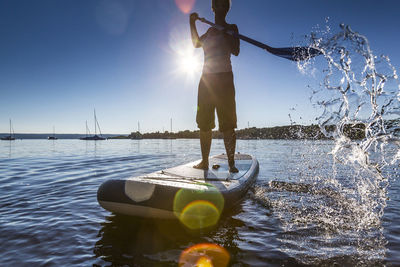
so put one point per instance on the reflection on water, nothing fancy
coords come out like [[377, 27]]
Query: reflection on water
[[9, 149], [7, 145], [204, 254], [129, 240]]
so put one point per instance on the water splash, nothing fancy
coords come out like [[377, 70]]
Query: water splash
[[342, 192], [358, 92], [357, 88]]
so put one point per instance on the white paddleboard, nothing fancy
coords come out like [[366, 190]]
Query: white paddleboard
[[159, 194]]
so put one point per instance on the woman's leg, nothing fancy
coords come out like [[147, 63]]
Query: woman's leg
[[205, 143], [230, 146]]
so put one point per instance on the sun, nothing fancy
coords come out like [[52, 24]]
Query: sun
[[188, 61]]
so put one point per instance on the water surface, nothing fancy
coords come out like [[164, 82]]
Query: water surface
[[49, 215]]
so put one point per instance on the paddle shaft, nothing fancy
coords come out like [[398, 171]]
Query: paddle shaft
[[292, 53]]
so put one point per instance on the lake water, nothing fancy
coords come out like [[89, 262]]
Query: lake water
[[49, 215]]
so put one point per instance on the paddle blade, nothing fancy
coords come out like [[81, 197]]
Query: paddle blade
[[295, 53]]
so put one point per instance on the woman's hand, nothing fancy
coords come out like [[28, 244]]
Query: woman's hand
[[234, 40], [195, 36], [193, 17]]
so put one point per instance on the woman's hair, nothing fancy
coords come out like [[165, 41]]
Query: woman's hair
[[214, 1]]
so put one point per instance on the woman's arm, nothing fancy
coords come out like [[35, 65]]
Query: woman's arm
[[234, 40], [193, 30]]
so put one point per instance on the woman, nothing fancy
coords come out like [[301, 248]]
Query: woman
[[216, 88]]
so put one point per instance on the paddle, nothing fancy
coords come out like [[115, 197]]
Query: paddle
[[297, 53]]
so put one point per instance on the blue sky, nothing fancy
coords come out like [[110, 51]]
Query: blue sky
[[60, 59]]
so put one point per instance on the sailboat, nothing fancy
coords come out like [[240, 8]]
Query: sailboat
[[170, 136], [137, 135], [10, 137], [54, 135], [87, 132], [95, 137]]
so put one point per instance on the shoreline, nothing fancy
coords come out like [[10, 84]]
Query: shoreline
[[289, 132]]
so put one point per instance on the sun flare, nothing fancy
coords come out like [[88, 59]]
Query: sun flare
[[188, 61]]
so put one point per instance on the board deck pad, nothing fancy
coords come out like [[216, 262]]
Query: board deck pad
[[221, 173]]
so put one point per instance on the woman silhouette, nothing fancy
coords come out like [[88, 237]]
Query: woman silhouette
[[216, 89]]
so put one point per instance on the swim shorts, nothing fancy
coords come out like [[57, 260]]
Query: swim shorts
[[216, 92]]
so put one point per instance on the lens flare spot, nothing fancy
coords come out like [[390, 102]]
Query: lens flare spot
[[204, 255], [185, 5], [204, 262], [198, 209], [199, 214]]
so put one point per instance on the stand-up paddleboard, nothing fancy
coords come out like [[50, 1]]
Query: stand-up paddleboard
[[171, 192]]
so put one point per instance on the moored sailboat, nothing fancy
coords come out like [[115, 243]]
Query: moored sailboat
[[54, 135], [95, 137], [11, 136]]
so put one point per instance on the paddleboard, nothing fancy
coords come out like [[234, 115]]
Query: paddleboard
[[168, 193]]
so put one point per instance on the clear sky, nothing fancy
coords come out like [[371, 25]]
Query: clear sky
[[60, 59]]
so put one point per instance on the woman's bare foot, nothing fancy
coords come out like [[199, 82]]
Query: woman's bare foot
[[233, 169], [202, 166]]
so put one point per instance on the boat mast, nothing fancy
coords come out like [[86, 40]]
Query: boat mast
[[10, 127], [95, 122], [98, 126]]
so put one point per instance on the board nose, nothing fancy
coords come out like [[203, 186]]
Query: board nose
[[112, 191]]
